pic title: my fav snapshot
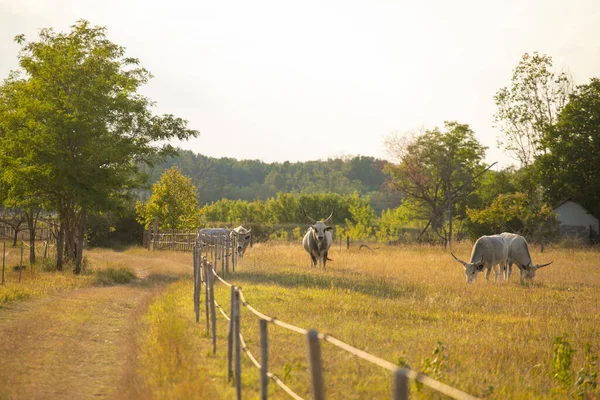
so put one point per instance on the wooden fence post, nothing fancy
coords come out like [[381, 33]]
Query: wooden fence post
[[197, 283], [347, 242], [213, 317], [238, 347], [400, 385], [223, 256], [21, 263], [230, 334], [264, 359], [206, 298], [45, 249], [3, 260], [233, 253], [316, 367], [195, 287], [227, 239], [155, 234]]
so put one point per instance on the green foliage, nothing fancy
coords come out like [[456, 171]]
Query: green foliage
[[587, 376], [114, 276], [513, 213], [174, 202], [73, 126], [435, 365], [436, 167], [569, 168], [248, 180], [279, 234], [297, 233], [393, 222], [562, 359], [285, 208], [530, 106]]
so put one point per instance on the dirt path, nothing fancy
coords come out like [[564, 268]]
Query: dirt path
[[81, 344], [73, 346]]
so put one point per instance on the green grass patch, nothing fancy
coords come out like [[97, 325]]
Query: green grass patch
[[114, 276]]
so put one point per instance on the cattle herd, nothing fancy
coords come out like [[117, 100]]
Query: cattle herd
[[498, 252]]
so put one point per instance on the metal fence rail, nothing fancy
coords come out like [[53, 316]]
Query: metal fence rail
[[205, 274]]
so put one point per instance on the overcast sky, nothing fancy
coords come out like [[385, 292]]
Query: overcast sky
[[304, 80]]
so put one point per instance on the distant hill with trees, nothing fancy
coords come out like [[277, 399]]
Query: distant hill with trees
[[228, 178]]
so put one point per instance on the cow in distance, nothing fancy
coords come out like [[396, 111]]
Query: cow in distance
[[318, 240]]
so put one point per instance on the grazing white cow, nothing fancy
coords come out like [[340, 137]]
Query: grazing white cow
[[209, 236], [241, 237], [488, 251], [518, 253], [317, 240]]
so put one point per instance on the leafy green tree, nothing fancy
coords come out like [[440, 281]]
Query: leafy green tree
[[174, 203], [531, 104], [73, 127], [513, 213], [435, 171], [570, 167], [493, 183]]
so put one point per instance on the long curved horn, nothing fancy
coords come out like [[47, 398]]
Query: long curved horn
[[543, 265], [458, 259], [328, 218], [309, 218]]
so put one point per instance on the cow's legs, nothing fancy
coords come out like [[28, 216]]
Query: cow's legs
[[324, 259], [498, 269], [487, 273], [313, 261]]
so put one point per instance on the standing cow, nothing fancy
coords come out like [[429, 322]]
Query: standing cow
[[518, 253], [488, 252], [317, 240], [240, 236]]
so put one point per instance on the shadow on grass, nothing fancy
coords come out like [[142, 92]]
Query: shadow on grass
[[371, 287]]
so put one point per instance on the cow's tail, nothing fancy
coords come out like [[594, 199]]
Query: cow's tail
[[329, 259]]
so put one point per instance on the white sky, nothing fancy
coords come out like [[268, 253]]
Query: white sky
[[281, 80]]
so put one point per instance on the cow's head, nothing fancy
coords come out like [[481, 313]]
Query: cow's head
[[471, 269], [528, 272], [319, 227], [242, 241]]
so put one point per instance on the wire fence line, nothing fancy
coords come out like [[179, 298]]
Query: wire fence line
[[205, 274]]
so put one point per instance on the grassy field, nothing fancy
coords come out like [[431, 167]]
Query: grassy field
[[402, 304], [406, 304]]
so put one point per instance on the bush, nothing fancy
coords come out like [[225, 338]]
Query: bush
[[114, 276]]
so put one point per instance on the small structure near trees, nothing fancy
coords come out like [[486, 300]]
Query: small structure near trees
[[576, 221]]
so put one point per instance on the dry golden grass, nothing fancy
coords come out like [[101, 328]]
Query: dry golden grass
[[397, 303]]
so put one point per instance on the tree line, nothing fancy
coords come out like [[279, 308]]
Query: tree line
[[228, 178]]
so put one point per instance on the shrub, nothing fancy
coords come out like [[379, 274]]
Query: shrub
[[114, 276]]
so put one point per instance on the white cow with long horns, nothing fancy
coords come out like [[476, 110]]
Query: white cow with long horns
[[518, 253], [317, 240], [488, 252]]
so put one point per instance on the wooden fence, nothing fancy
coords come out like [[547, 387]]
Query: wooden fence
[[179, 240], [205, 275], [44, 231], [45, 253]]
